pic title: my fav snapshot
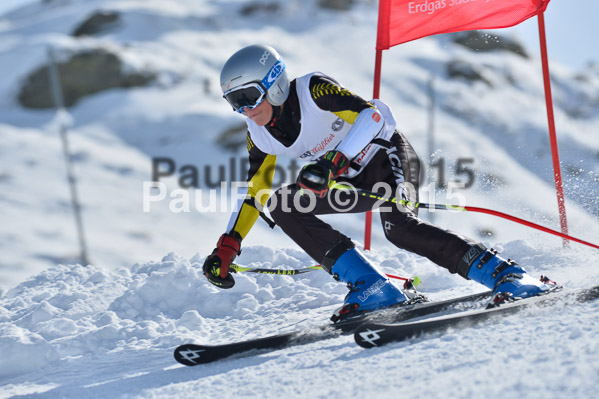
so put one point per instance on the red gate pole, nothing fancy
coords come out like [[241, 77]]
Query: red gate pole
[[559, 188], [375, 94]]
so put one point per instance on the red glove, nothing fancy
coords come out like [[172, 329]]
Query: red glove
[[216, 266]]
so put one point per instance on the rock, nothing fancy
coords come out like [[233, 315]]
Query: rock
[[462, 70], [98, 22], [342, 5], [257, 7], [81, 75]]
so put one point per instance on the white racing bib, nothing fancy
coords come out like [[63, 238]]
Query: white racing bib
[[321, 131]]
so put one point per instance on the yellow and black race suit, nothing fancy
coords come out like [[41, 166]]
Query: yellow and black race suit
[[285, 127]]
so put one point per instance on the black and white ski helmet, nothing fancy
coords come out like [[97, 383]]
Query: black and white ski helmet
[[260, 64]]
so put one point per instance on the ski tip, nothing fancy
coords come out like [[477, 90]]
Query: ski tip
[[192, 355], [368, 335]]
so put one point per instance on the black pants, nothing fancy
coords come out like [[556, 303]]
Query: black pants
[[296, 213]]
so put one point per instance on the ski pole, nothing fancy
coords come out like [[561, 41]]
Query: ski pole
[[293, 272], [284, 272], [422, 205]]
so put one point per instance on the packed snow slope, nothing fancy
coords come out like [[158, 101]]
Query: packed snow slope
[[108, 329], [75, 331]]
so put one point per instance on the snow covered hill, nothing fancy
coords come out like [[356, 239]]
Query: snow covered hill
[[108, 329], [74, 331]]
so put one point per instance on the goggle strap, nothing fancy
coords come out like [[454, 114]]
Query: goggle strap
[[273, 74]]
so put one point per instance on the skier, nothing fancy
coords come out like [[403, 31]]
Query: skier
[[351, 141]]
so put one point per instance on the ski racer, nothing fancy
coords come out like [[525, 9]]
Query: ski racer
[[351, 141]]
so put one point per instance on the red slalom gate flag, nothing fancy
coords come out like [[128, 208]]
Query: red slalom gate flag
[[401, 21]]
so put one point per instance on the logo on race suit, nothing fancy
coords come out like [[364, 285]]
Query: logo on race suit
[[388, 225], [472, 254], [323, 144], [362, 154], [395, 165], [306, 154], [338, 124]]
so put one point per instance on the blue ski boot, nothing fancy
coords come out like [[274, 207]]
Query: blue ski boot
[[369, 289], [506, 278]]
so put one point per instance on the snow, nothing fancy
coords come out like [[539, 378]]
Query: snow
[[87, 331], [108, 329]]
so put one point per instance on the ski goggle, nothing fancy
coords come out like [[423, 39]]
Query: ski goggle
[[245, 97], [250, 95]]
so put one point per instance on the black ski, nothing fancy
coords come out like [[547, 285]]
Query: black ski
[[371, 334], [194, 354]]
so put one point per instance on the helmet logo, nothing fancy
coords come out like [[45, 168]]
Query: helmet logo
[[264, 57]]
